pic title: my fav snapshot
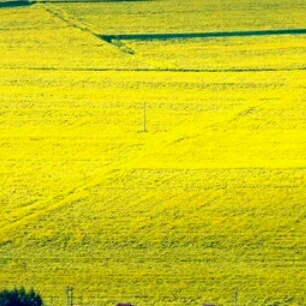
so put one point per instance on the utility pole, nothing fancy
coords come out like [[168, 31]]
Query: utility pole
[[235, 297], [144, 117], [69, 296]]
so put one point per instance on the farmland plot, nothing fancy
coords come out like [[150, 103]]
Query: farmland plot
[[209, 200], [32, 37]]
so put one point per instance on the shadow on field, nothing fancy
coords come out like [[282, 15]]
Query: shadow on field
[[109, 38], [12, 4]]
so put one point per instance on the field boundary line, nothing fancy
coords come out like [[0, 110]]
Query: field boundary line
[[169, 36], [159, 69]]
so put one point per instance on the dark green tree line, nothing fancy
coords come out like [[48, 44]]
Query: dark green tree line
[[20, 297]]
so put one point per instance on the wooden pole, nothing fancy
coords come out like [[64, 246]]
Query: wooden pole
[[69, 296], [144, 117], [235, 297]]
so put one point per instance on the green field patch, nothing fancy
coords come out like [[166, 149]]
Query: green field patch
[[14, 4]]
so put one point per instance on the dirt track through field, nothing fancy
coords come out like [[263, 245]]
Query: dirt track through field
[[167, 36]]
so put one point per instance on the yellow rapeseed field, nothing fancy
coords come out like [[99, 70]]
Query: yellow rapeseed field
[[156, 170]]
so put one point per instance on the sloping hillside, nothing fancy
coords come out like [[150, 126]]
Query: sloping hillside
[[207, 202]]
